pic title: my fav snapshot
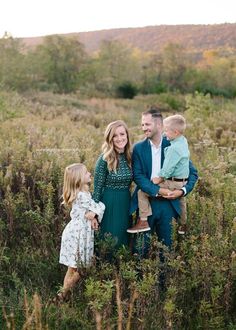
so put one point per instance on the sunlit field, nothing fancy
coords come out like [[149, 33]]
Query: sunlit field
[[40, 134]]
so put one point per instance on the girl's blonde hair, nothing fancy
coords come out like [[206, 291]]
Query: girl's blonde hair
[[73, 182], [110, 155]]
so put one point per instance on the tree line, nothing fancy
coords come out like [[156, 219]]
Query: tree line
[[61, 64]]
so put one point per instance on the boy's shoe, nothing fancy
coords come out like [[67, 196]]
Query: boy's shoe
[[182, 229], [141, 226]]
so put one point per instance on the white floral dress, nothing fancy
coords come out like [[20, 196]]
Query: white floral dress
[[77, 244]]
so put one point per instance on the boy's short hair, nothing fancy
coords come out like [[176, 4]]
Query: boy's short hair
[[175, 122]]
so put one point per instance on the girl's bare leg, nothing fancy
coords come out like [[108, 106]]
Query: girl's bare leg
[[71, 278]]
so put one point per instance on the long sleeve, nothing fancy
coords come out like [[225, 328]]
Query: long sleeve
[[86, 202], [97, 208], [172, 158], [141, 177], [176, 162], [192, 179], [100, 175]]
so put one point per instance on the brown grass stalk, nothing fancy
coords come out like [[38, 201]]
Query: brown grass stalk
[[9, 319], [134, 296], [35, 316], [98, 319], [119, 304]]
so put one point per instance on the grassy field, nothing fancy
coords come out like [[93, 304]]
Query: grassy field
[[40, 135]]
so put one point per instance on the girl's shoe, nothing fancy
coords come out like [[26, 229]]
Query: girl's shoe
[[61, 297]]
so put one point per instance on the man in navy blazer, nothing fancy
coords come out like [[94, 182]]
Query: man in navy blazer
[[147, 159]]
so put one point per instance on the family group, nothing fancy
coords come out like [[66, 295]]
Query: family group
[[162, 172]]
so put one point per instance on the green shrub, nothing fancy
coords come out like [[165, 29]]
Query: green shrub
[[121, 290], [126, 90]]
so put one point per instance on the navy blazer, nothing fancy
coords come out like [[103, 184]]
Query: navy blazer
[[142, 170]]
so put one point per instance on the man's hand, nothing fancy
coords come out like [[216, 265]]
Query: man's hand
[[164, 192], [89, 215], [174, 194]]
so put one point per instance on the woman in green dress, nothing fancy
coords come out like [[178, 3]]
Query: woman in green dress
[[112, 180]]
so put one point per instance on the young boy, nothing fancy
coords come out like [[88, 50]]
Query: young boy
[[173, 174]]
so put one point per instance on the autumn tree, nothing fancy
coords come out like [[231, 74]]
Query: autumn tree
[[13, 67], [167, 71], [152, 71], [62, 59], [114, 65], [216, 74], [174, 63]]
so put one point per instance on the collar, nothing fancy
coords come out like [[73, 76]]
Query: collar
[[154, 146], [179, 138]]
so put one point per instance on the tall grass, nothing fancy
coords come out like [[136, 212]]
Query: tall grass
[[42, 133]]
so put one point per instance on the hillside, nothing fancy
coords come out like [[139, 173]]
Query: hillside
[[154, 38]]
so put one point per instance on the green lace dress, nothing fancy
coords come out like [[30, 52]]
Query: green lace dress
[[113, 189]]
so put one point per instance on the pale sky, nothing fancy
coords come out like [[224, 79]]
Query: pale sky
[[30, 18]]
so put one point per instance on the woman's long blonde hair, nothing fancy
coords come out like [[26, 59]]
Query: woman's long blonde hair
[[110, 155], [73, 182]]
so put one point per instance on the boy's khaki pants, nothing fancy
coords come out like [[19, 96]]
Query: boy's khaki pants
[[145, 209]]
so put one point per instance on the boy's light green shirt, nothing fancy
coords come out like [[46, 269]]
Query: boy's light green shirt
[[176, 162]]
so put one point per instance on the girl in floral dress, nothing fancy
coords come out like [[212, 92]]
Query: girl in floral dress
[[77, 244]]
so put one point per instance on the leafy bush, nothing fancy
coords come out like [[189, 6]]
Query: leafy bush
[[52, 131], [126, 90]]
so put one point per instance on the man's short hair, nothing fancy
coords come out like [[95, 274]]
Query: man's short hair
[[175, 122], [154, 111]]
